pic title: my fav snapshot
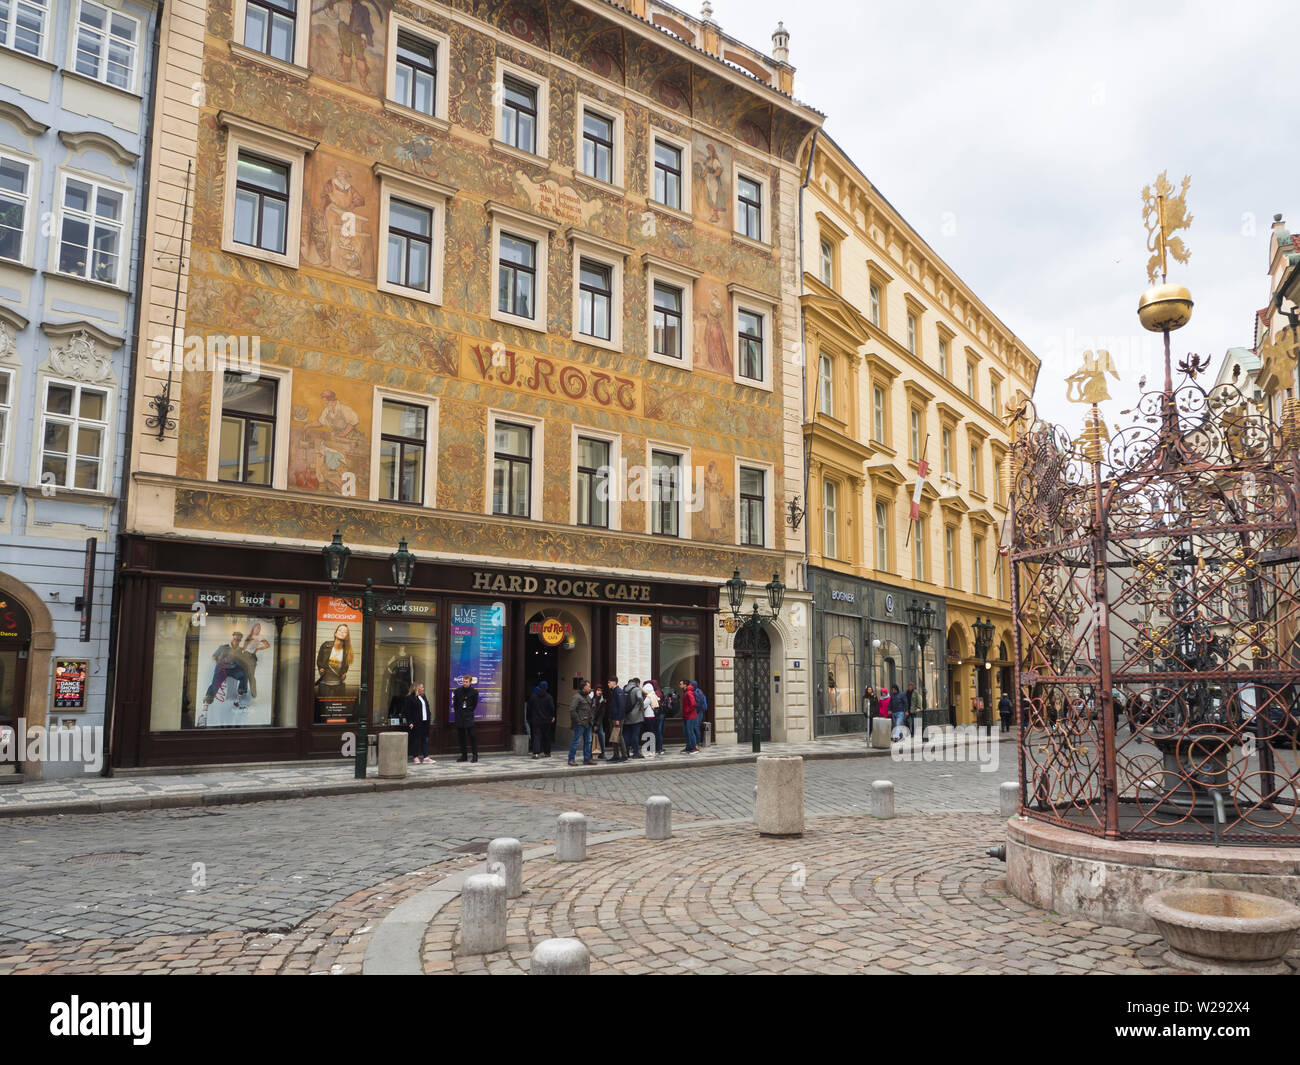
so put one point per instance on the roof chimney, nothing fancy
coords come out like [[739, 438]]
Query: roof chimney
[[781, 44]]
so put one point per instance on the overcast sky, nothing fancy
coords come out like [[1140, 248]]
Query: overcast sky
[[1016, 138]]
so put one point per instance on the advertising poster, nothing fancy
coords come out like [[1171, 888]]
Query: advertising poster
[[231, 649], [632, 645], [477, 641], [338, 660], [70, 685]]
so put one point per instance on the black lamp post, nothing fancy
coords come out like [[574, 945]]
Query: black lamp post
[[921, 620], [983, 644], [402, 563], [753, 624]]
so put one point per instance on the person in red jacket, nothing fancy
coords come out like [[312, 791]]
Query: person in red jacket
[[690, 720]]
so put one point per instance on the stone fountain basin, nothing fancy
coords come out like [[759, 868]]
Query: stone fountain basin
[[1225, 930]]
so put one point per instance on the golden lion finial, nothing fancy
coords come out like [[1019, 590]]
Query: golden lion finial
[[1163, 214]]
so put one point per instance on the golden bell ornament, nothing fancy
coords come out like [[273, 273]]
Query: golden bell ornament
[[1165, 307]]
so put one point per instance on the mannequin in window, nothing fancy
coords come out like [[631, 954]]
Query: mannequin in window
[[401, 679]]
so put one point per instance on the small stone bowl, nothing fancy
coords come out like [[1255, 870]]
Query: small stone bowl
[[1219, 931]]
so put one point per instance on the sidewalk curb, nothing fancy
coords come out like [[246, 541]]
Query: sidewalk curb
[[277, 793]]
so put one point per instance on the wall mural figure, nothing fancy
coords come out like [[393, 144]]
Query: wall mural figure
[[330, 452], [714, 509], [715, 349], [338, 233], [348, 42], [712, 185]]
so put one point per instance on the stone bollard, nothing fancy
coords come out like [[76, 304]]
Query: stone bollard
[[1009, 797], [658, 817], [880, 730], [483, 914], [882, 799], [571, 838], [560, 957], [505, 858], [392, 754], [780, 796]]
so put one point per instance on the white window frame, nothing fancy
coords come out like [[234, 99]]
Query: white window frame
[[915, 425], [283, 148], [615, 502], [658, 270], [414, 399], [686, 488], [944, 348], [920, 533], [125, 242], [301, 38], [542, 85], [528, 227], [831, 528], [764, 306], [826, 261], [615, 117], [605, 253], [951, 560], [769, 483], [100, 77], [431, 195], [283, 412], [977, 564], [875, 297], [6, 434], [826, 385], [945, 451], [31, 198], [879, 415], [684, 147], [976, 468], [538, 427], [913, 328], [764, 240], [106, 458], [972, 381], [441, 106], [45, 7]]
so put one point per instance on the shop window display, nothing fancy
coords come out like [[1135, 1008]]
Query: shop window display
[[405, 654]]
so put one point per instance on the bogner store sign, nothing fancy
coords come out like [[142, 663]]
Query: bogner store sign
[[562, 587]]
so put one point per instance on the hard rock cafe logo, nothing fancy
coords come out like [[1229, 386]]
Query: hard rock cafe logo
[[552, 631]]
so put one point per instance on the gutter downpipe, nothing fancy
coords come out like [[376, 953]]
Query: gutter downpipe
[[803, 352]]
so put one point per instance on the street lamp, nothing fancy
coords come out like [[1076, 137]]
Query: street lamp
[[754, 625], [921, 620], [402, 564], [983, 644]]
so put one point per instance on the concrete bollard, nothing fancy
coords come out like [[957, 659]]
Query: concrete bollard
[[483, 914], [1009, 798], [780, 796], [882, 799], [392, 754], [880, 730], [658, 817], [505, 858], [571, 838], [560, 957]]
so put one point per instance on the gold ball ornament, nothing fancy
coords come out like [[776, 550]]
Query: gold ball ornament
[[1165, 307]]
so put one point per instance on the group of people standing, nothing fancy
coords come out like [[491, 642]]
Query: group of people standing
[[899, 707], [418, 716], [608, 724]]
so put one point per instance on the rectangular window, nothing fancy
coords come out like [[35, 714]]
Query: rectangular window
[[261, 204], [410, 245], [830, 529], [946, 449], [516, 276], [247, 448], [106, 45], [998, 493], [970, 379], [995, 397], [269, 27], [911, 333], [919, 540], [878, 414], [977, 563], [22, 25], [668, 175], [749, 207], [593, 482], [595, 298], [15, 197], [827, 263], [402, 448], [665, 498], [1000, 572], [519, 114], [6, 402], [943, 357], [751, 345], [753, 524], [914, 435], [949, 556], [874, 304], [975, 468], [416, 74], [598, 146], [825, 386], [512, 470], [882, 536], [90, 230], [668, 321]]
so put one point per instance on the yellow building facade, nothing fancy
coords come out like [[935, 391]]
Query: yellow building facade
[[904, 365]]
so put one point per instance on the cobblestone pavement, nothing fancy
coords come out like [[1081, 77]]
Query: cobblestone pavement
[[912, 895]]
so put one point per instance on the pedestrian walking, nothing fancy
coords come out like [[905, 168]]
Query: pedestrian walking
[[869, 702], [464, 701], [616, 710], [599, 723], [898, 712], [416, 712], [701, 713], [690, 719], [914, 707], [541, 714], [580, 718], [634, 717], [654, 721], [1004, 711]]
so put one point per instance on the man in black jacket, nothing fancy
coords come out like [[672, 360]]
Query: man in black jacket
[[541, 715], [463, 702], [616, 712], [416, 712]]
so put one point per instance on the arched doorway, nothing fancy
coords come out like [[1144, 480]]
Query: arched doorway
[[558, 651], [15, 643], [751, 668], [956, 652]]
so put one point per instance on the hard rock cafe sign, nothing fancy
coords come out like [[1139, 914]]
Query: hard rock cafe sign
[[552, 631]]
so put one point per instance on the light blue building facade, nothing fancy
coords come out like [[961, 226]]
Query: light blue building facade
[[76, 80]]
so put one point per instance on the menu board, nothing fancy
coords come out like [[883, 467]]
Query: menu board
[[477, 641], [632, 647]]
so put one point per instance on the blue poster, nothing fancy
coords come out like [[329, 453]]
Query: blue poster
[[477, 642]]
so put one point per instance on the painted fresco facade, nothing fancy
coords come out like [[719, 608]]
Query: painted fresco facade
[[318, 324], [73, 130], [904, 363]]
